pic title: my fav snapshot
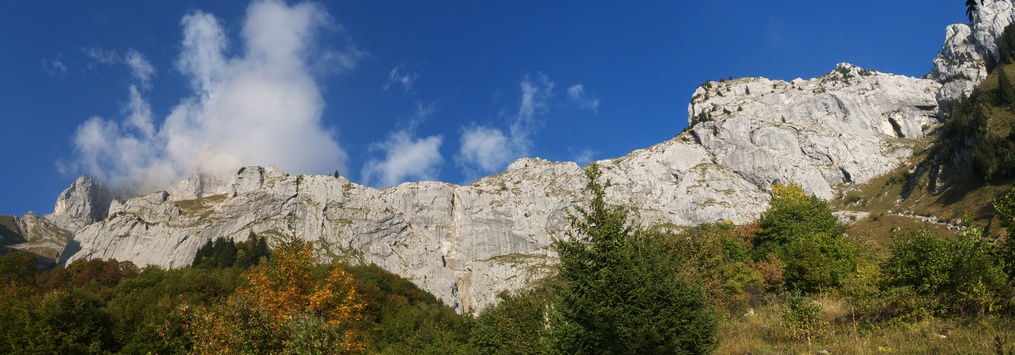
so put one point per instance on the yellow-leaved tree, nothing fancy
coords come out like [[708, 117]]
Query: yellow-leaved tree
[[284, 309]]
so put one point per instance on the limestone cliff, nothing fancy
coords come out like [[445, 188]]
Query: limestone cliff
[[961, 64]]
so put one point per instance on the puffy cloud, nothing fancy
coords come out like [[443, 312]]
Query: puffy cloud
[[488, 149], [405, 159], [578, 97], [260, 107]]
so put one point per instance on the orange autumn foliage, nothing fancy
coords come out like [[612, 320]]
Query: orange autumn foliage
[[284, 308]]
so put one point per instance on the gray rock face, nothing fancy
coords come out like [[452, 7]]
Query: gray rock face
[[960, 65], [463, 243], [34, 234], [86, 200], [843, 127]]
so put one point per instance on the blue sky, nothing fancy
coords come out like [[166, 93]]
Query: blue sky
[[140, 93]]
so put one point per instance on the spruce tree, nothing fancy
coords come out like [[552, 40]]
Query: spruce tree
[[618, 294]]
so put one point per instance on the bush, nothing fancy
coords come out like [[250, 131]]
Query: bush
[[793, 213], [815, 261], [802, 318], [515, 325], [960, 275], [18, 266], [800, 231]]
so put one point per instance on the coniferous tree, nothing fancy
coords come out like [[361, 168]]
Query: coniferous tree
[[203, 253], [618, 293]]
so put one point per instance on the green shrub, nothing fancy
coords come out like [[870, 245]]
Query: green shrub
[[801, 232], [515, 325], [960, 275], [793, 213], [18, 266], [816, 261], [802, 318]]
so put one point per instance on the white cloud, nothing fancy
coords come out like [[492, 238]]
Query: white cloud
[[54, 67], [488, 149], [102, 56], [140, 68], [584, 157], [577, 95], [395, 76], [405, 159], [258, 108], [139, 114]]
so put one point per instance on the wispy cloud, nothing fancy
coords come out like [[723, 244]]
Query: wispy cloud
[[107, 57], [577, 95], [584, 157], [486, 149], [396, 76], [140, 68], [262, 107], [54, 67]]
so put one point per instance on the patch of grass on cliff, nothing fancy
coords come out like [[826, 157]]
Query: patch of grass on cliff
[[201, 207]]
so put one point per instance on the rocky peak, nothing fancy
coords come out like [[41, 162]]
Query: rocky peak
[[199, 184], [85, 201], [961, 64], [841, 127], [33, 234]]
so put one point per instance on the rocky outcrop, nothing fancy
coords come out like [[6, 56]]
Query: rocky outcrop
[[85, 201], [33, 234], [463, 243], [961, 64], [847, 126]]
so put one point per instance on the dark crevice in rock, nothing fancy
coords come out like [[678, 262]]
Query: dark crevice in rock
[[896, 127], [846, 177]]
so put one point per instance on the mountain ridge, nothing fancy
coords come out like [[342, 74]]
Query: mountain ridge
[[467, 243]]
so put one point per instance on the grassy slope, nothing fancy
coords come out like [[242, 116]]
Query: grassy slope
[[897, 201]]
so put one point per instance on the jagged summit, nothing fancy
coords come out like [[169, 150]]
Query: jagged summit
[[961, 64], [85, 201], [833, 129]]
